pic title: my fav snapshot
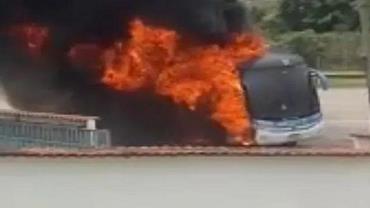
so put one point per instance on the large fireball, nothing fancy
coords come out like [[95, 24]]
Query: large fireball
[[191, 75]]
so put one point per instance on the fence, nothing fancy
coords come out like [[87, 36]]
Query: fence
[[334, 51], [342, 52], [15, 134]]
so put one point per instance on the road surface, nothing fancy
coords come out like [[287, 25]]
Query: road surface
[[346, 113]]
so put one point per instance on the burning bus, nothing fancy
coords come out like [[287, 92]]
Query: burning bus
[[283, 99], [157, 72]]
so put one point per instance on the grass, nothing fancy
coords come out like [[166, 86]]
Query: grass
[[347, 82]]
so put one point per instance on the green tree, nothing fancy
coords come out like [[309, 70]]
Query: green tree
[[306, 43], [319, 15]]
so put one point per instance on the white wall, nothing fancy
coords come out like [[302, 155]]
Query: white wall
[[185, 182], [4, 103]]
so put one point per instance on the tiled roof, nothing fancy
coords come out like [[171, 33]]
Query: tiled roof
[[192, 151], [45, 117]]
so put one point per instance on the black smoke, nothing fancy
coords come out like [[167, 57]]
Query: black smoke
[[53, 84]]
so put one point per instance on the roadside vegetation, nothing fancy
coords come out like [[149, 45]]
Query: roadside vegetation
[[325, 32]]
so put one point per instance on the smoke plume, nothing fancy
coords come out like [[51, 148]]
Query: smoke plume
[[51, 83]]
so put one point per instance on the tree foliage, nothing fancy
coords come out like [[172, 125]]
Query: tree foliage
[[306, 43], [319, 15]]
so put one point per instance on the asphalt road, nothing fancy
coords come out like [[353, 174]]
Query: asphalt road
[[347, 114]]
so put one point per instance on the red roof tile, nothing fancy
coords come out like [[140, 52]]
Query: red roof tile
[[191, 151]]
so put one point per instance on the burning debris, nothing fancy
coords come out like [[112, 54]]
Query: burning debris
[[144, 68]]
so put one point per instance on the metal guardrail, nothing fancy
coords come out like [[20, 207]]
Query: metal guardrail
[[15, 135], [350, 74]]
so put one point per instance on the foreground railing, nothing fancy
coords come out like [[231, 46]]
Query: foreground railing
[[15, 134]]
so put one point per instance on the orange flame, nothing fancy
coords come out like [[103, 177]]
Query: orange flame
[[194, 76]]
